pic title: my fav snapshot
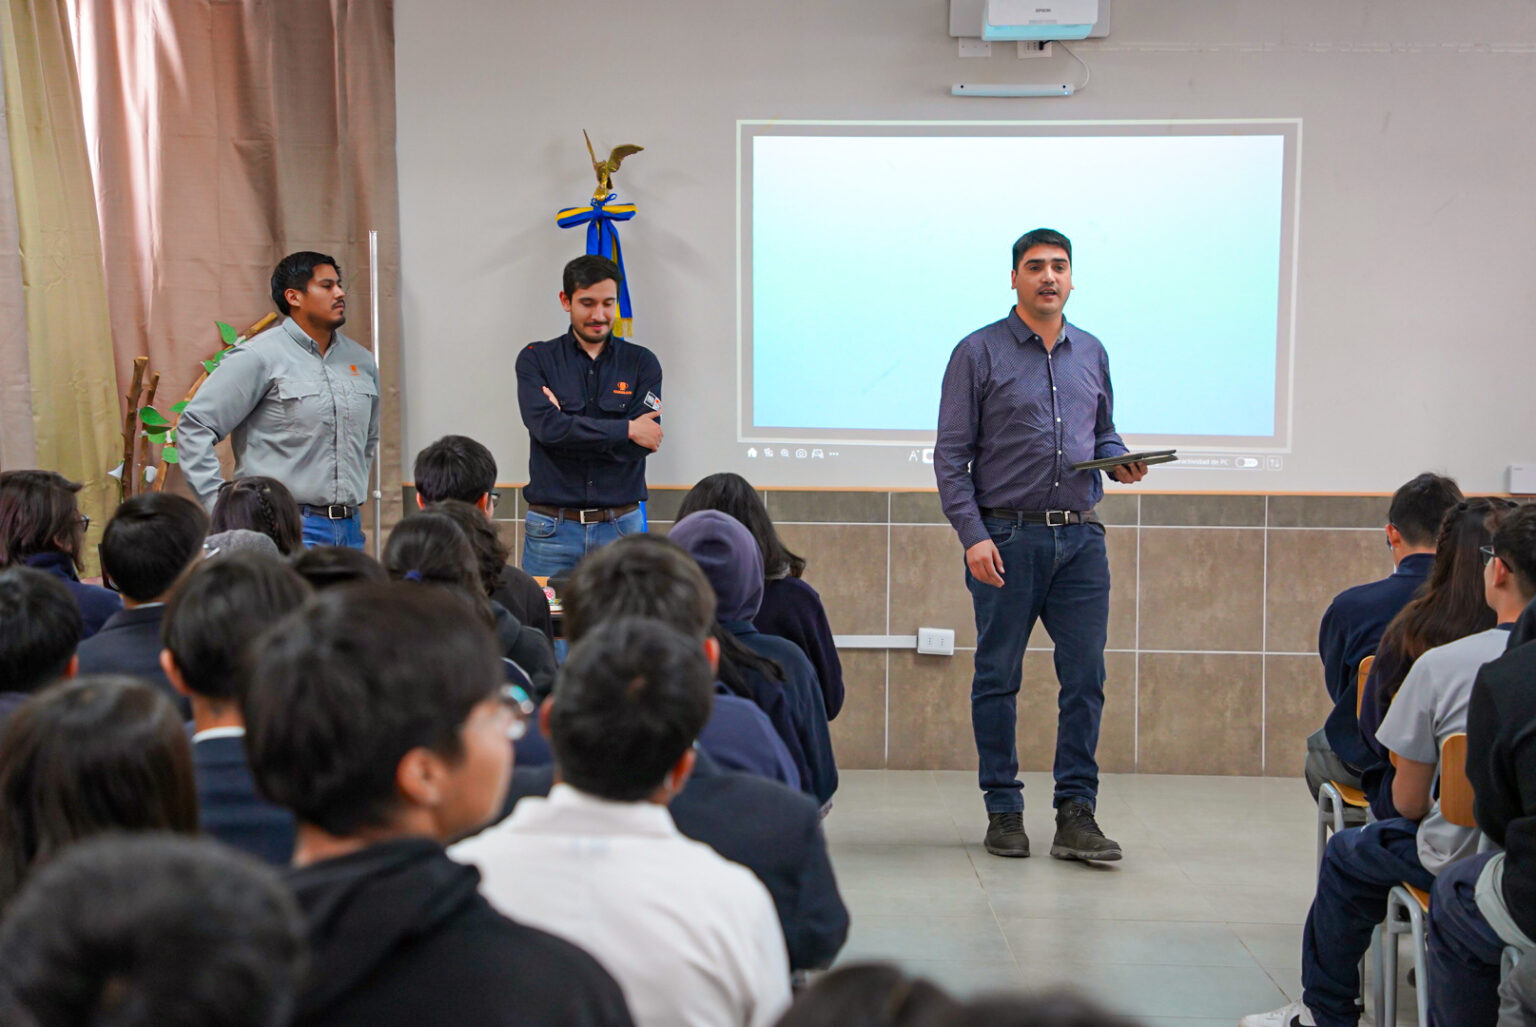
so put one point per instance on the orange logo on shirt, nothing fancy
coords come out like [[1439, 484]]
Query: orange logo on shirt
[[623, 390], [354, 368]]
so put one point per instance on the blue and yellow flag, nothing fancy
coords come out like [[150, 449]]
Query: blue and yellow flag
[[603, 240]]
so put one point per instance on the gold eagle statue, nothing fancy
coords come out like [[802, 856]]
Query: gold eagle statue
[[606, 168]]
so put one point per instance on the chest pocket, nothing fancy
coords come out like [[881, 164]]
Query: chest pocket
[[303, 404], [360, 392]]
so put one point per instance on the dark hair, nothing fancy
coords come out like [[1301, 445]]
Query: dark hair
[[1451, 604], [93, 754], [258, 503], [490, 551], [294, 272], [1514, 542], [1040, 237], [586, 271], [350, 684], [40, 627], [629, 701], [212, 620], [454, 467], [640, 576], [732, 494], [328, 566], [429, 548], [38, 514], [1056, 1008], [150, 541], [1419, 506], [151, 931], [870, 995]]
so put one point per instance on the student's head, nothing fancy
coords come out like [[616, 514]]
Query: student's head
[[328, 566], [307, 287], [214, 617], [630, 701], [870, 995], [94, 754], [151, 931], [150, 542], [589, 292], [638, 576], [1417, 509], [1511, 574], [431, 549], [38, 514], [1059, 1008], [455, 467], [378, 712], [39, 629], [260, 504], [732, 494], [490, 551]]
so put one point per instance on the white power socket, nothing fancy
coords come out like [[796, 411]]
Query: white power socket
[[936, 641]]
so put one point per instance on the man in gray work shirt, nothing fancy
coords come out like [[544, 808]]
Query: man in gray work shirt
[[300, 403]]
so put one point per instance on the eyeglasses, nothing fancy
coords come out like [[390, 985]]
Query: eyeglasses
[[1488, 554], [85, 523], [495, 498], [517, 708]]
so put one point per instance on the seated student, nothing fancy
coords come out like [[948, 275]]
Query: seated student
[[328, 566], [210, 625], [649, 576], [1352, 625], [379, 721], [1362, 864], [458, 467], [148, 547], [1488, 901], [867, 994], [241, 540], [691, 938], [262, 504], [1449, 606], [791, 608], [41, 527], [150, 931], [1061, 1008], [39, 629], [771, 671], [87, 756]]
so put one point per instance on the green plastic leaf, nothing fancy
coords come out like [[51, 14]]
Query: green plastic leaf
[[179, 407], [151, 417], [209, 365], [218, 358], [154, 431], [226, 333], [170, 456]]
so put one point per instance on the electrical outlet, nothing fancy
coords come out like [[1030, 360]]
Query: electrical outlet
[[936, 641], [1034, 48], [975, 48]]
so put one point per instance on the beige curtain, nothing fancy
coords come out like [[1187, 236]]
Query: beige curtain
[[17, 445]]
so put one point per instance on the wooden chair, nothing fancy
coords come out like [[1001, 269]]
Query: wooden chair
[[1334, 797]]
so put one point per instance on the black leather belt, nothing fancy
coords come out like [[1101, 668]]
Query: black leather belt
[[591, 515], [334, 512], [1050, 518]]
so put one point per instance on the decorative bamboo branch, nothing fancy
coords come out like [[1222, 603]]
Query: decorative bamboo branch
[[131, 427], [144, 460]]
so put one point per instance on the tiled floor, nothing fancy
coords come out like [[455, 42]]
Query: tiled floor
[[1199, 924]]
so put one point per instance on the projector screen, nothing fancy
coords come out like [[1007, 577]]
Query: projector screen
[[868, 250]]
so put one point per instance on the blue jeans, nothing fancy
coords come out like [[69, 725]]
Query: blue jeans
[[553, 546], [1360, 866], [1464, 952], [1059, 575], [322, 531]]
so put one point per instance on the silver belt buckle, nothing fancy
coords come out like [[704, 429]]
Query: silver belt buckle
[[1051, 518], [582, 515]]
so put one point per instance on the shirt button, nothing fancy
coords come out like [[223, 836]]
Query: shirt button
[[1055, 484], [1058, 420]]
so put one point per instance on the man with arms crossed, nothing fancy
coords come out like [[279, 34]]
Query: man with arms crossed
[[1025, 398], [592, 404], [300, 403]]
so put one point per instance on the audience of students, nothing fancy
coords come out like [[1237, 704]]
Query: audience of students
[[210, 626], [328, 566], [87, 756], [150, 544], [39, 630], [790, 608], [260, 504], [42, 527], [377, 715], [150, 931], [1352, 625]]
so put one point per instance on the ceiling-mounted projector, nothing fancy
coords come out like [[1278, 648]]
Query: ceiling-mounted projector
[[1002, 20]]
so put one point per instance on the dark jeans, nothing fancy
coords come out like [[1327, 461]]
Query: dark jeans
[[1059, 575], [322, 531], [1360, 866], [1464, 952]]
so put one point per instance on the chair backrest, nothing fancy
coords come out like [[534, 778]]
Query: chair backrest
[[1455, 789], [1360, 676]]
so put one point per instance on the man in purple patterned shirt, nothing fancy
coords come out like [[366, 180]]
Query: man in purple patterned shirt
[[1024, 399]]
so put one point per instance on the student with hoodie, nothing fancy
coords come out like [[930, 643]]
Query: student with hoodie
[[771, 670], [377, 714]]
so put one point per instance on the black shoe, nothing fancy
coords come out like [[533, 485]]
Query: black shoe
[[1005, 835], [1078, 835]]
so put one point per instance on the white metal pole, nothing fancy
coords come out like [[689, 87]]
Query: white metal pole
[[378, 360]]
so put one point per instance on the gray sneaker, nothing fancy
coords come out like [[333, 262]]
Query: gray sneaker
[[1078, 835], [1005, 835]]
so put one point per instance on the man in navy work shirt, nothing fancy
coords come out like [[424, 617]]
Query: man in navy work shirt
[[1025, 398], [592, 404]]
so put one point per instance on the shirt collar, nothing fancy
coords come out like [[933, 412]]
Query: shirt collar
[[571, 811], [218, 732], [1023, 333], [301, 337], [575, 344]]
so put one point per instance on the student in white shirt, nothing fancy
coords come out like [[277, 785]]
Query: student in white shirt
[[691, 938]]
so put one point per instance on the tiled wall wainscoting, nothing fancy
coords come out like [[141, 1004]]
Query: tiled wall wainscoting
[[1212, 633]]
